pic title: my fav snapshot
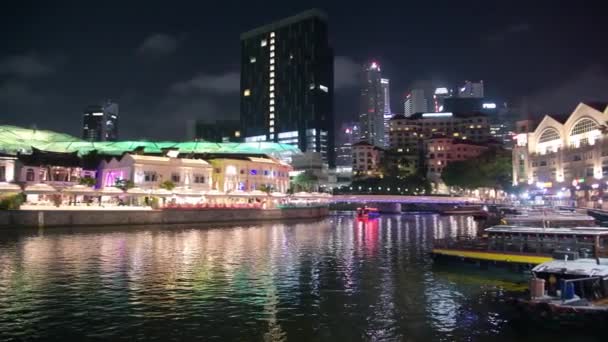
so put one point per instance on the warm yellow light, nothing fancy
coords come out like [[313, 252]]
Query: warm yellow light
[[246, 92]]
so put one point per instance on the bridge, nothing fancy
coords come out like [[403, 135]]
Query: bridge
[[402, 199]]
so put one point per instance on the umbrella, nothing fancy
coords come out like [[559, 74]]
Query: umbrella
[[258, 193], [40, 189], [137, 192], [79, 190], [215, 193], [183, 191], [9, 187], [162, 192], [110, 190], [278, 194]]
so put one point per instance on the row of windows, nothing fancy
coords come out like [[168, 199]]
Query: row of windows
[[254, 172]]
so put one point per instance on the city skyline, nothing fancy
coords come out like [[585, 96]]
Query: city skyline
[[186, 69]]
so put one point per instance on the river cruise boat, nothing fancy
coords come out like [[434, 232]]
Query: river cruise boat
[[524, 246], [549, 218], [367, 213], [566, 289]]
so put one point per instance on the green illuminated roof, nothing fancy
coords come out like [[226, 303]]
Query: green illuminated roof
[[17, 139]]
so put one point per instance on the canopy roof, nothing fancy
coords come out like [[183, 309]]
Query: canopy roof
[[15, 140]]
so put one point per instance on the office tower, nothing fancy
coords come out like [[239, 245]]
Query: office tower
[[349, 134], [218, 131], [471, 89], [371, 112], [416, 101], [384, 82], [287, 84], [439, 97], [100, 122]]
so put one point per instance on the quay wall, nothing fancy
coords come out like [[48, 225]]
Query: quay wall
[[70, 218]]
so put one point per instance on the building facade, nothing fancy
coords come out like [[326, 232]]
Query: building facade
[[348, 135], [100, 122], [249, 173], [466, 126], [471, 89], [441, 151], [287, 84], [366, 160], [560, 152], [388, 114], [371, 107], [149, 172], [416, 101]]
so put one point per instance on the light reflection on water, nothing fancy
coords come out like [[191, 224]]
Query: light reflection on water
[[327, 280]]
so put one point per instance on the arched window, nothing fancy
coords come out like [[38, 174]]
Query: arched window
[[549, 134], [583, 126], [29, 175]]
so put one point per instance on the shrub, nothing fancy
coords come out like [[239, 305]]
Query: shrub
[[11, 201]]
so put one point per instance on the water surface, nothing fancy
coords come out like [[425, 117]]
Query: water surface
[[330, 280]]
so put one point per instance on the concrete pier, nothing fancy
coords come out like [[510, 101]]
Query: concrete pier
[[70, 218]]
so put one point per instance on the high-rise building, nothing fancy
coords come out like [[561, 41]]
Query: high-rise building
[[471, 89], [439, 97], [219, 131], [349, 134], [100, 122], [287, 84], [371, 112], [416, 102], [384, 82]]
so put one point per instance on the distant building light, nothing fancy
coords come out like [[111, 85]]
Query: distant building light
[[255, 138], [441, 91], [97, 114], [375, 66], [437, 115], [324, 88], [271, 34], [237, 133], [113, 116], [312, 86], [252, 59], [384, 80], [441, 108], [246, 92], [284, 135], [264, 42], [489, 105]]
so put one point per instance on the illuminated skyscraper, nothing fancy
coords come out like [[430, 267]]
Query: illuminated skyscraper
[[416, 101], [100, 122], [287, 84], [371, 113], [471, 89], [384, 82]]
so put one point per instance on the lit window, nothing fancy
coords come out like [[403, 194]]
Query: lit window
[[272, 95], [272, 81], [272, 108], [271, 129], [272, 41], [291, 56], [271, 34], [246, 92], [272, 61], [272, 74], [324, 88], [252, 59], [271, 49], [237, 133], [272, 54], [271, 116], [271, 122], [264, 42], [271, 88], [271, 102], [312, 86], [272, 68]]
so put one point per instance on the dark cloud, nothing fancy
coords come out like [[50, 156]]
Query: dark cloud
[[508, 31], [588, 85], [346, 72], [158, 44], [228, 82], [26, 66]]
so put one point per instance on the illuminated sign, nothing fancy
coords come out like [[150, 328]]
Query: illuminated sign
[[324, 88], [543, 185], [441, 91], [437, 115], [384, 80], [97, 114], [489, 105]]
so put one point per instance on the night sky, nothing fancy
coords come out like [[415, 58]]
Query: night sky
[[171, 61]]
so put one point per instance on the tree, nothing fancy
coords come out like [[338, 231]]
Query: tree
[[492, 169], [124, 184], [305, 181], [87, 181], [266, 188], [168, 185]]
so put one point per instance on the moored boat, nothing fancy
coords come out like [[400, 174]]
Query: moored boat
[[523, 246], [367, 213]]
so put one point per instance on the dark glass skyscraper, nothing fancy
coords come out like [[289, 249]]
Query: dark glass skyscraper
[[100, 122], [287, 84], [371, 115]]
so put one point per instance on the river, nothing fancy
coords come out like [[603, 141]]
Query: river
[[331, 280]]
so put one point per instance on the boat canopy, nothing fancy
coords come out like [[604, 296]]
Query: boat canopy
[[578, 267], [589, 231]]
